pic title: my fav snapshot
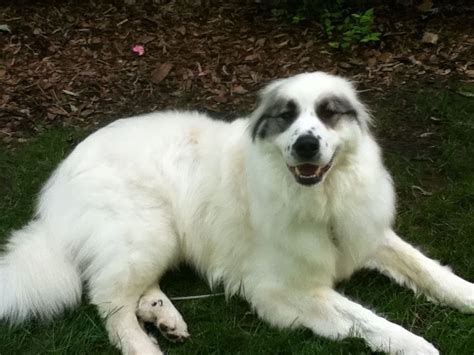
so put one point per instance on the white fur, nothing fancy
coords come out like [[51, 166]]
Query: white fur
[[144, 194]]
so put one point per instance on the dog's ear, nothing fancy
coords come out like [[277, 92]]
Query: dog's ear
[[364, 115], [270, 88], [265, 97]]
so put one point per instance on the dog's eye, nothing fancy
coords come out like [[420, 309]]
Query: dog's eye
[[287, 116], [325, 113]]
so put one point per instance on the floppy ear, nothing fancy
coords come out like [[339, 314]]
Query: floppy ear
[[271, 87], [266, 97], [363, 113]]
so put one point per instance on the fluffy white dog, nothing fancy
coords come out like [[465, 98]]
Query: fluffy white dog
[[278, 207]]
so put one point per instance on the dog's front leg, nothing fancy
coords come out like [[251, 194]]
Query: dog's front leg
[[408, 266], [329, 314]]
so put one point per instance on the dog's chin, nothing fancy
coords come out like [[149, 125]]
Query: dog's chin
[[309, 174]]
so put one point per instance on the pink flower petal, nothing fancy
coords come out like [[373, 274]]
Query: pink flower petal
[[138, 49]]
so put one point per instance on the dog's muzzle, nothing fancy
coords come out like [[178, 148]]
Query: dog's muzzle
[[309, 174], [306, 150]]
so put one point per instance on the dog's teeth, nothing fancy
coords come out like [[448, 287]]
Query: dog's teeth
[[318, 171], [297, 171]]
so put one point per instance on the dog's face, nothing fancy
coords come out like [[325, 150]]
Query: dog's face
[[308, 120]]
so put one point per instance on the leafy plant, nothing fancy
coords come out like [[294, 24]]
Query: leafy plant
[[341, 26], [353, 28]]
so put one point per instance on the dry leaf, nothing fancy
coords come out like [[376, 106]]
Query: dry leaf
[[251, 57], [70, 93], [372, 61], [147, 39], [239, 90], [182, 30], [429, 37], [161, 72], [465, 93], [385, 57], [426, 134], [260, 42], [425, 6], [5, 28]]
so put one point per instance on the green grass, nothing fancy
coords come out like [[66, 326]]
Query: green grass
[[442, 223]]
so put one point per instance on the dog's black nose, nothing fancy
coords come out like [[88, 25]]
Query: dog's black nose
[[306, 147]]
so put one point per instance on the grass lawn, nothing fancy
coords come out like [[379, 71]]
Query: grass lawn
[[429, 139]]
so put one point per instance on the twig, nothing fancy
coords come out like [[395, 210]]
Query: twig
[[185, 298], [6, 133]]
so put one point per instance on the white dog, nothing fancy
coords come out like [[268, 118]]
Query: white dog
[[278, 207]]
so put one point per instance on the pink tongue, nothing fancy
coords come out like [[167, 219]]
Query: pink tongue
[[307, 169]]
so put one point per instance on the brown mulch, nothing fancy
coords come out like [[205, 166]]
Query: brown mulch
[[72, 64]]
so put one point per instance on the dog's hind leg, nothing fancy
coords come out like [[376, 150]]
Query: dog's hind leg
[[155, 307], [329, 314], [136, 254], [408, 266], [123, 328]]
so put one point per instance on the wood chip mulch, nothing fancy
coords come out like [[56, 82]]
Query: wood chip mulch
[[83, 65]]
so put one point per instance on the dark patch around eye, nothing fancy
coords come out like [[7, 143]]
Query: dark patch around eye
[[260, 127], [290, 112], [276, 118], [330, 110]]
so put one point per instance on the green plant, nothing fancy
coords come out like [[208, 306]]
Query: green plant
[[342, 26], [346, 30]]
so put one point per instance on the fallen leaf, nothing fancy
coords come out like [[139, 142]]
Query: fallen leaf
[[221, 99], [70, 93], [465, 93], [372, 61], [182, 30], [385, 57], [147, 39], [5, 28], [87, 113], [161, 72], [429, 37], [413, 60], [260, 42], [425, 6], [251, 57], [240, 90]]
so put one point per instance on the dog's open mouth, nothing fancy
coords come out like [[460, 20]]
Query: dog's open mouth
[[309, 174]]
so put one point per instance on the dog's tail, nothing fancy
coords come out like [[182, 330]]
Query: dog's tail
[[36, 277]]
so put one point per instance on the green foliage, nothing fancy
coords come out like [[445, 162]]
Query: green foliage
[[345, 30], [342, 26]]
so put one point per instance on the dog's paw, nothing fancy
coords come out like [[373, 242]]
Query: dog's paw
[[422, 348], [461, 297], [399, 341], [161, 312]]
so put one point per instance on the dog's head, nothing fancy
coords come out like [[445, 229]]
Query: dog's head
[[309, 120]]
